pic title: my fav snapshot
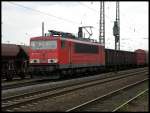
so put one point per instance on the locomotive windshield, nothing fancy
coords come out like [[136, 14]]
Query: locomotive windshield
[[43, 44]]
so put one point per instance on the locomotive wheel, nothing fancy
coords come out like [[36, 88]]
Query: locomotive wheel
[[9, 75]]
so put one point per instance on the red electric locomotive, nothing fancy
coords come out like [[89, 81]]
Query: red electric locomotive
[[64, 53], [58, 54]]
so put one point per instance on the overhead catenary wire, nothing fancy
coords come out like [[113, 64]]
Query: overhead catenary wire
[[88, 7], [94, 10], [48, 14], [60, 18]]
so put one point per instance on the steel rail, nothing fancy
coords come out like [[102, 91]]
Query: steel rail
[[19, 83], [122, 105], [104, 96], [22, 83]]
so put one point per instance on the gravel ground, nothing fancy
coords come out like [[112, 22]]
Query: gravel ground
[[109, 104], [69, 100]]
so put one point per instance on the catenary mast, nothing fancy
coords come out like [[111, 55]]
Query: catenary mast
[[102, 24], [116, 28]]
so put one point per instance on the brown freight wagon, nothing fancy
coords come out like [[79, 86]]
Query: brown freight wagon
[[14, 60], [120, 59]]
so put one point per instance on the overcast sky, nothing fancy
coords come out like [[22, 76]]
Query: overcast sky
[[22, 20]]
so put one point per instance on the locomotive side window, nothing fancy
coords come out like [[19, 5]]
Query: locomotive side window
[[85, 48], [62, 44], [43, 44]]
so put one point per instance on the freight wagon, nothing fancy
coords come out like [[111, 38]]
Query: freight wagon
[[119, 59], [141, 57], [14, 61]]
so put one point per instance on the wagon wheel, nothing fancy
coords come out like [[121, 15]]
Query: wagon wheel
[[9, 75], [22, 74], [31, 74]]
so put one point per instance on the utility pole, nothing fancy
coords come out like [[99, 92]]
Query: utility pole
[[42, 28], [102, 24]]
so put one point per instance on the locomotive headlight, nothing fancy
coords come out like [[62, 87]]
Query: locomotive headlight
[[55, 60], [34, 61], [52, 60]]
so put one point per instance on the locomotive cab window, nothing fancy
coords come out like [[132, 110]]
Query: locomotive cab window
[[43, 44], [62, 44]]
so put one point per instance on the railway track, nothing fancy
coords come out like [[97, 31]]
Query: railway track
[[101, 102], [60, 84], [27, 82], [130, 100], [14, 79], [22, 83], [11, 103]]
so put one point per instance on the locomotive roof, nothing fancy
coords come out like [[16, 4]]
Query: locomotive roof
[[81, 41], [69, 39]]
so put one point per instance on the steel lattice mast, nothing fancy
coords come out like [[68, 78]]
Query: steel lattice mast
[[116, 28], [102, 24]]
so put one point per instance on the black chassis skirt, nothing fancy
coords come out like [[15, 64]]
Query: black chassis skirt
[[35, 68]]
